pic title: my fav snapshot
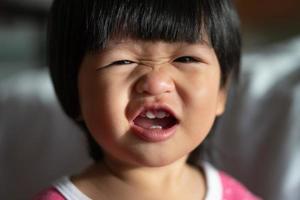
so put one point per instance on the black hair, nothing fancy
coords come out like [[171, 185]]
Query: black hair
[[80, 27]]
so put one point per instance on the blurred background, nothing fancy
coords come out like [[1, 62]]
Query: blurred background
[[22, 35], [43, 141]]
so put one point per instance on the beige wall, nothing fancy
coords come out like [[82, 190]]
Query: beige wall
[[268, 21], [270, 12]]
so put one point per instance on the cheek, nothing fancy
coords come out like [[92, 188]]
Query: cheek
[[102, 105], [201, 89], [200, 101], [202, 109]]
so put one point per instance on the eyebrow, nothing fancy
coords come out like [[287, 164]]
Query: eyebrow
[[134, 45]]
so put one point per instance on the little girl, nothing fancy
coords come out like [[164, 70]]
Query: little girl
[[146, 81]]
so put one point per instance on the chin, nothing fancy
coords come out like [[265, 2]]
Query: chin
[[158, 161]]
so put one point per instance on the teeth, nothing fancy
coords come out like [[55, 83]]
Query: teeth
[[159, 115], [162, 114], [150, 115], [155, 127]]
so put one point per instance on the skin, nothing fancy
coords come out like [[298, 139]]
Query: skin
[[118, 81]]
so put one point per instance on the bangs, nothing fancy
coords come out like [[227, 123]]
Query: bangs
[[153, 20]]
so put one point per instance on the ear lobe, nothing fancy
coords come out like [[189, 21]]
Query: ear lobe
[[221, 102]]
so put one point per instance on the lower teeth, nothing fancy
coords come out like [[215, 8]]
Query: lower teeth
[[155, 127]]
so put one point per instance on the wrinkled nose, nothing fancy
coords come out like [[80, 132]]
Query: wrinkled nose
[[155, 82]]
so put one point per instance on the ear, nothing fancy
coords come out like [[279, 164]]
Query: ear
[[221, 102]]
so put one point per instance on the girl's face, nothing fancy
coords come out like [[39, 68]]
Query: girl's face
[[150, 103]]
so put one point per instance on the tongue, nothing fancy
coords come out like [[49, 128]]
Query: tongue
[[147, 123]]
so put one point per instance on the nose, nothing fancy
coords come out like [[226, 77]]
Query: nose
[[155, 82]]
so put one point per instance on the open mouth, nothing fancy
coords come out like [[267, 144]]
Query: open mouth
[[155, 124], [155, 119]]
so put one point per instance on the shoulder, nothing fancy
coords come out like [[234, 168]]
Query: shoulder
[[62, 189], [234, 190], [50, 194], [222, 186]]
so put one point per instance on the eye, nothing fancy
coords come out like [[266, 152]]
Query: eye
[[186, 59], [116, 63], [122, 62]]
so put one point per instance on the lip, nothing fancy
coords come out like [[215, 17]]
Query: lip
[[154, 135]]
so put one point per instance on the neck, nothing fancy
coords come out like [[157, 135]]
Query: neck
[[111, 177], [148, 177]]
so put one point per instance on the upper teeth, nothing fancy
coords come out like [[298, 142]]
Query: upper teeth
[[159, 114]]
